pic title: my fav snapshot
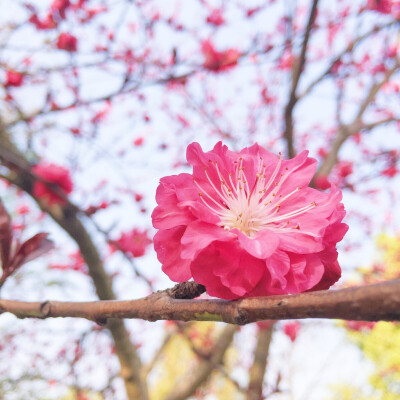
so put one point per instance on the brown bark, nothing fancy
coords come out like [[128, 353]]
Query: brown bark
[[365, 303], [258, 368]]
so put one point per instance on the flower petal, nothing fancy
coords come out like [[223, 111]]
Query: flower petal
[[169, 217], [298, 242], [305, 272], [262, 245], [301, 170], [332, 273], [172, 191], [278, 266], [168, 248], [199, 235], [237, 270]]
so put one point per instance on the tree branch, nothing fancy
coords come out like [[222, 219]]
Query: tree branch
[[384, 121], [376, 86], [348, 49], [297, 69], [365, 303], [345, 131], [257, 370]]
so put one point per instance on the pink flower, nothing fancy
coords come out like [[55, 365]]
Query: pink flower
[[292, 329], [267, 324], [390, 171], [134, 242], [47, 23], [381, 6], [60, 7], [322, 182], [246, 224], [77, 263], [13, 78], [216, 18], [139, 141], [359, 325], [67, 42], [53, 174], [218, 60], [345, 168]]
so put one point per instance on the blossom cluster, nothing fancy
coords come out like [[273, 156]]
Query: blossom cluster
[[55, 175]]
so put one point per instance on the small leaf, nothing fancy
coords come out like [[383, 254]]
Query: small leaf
[[32, 248]]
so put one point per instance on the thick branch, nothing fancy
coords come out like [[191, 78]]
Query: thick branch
[[297, 69], [69, 220], [365, 303], [257, 370]]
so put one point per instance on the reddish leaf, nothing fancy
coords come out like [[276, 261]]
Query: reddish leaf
[[29, 250], [5, 236]]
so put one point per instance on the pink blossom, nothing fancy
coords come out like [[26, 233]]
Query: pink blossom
[[216, 17], [60, 7], [134, 242], [218, 60], [246, 224], [345, 168], [390, 171], [267, 324], [47, 23], [138, 141], [53, 174], [23, 209], [359, 325], [13, 78], [77, 263], [322, 182], [286, 61], [292, 329], [138, 197], [381, 6], [67, 42]]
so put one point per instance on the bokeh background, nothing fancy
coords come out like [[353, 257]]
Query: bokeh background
[[113, 91]]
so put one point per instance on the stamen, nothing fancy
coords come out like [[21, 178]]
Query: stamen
[[250, 210]]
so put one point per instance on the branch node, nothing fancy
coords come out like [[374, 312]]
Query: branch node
[[186, 290], [101, 321], [241, 317], [45, 309]]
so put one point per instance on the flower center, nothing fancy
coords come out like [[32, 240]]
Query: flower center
[[251, 209]]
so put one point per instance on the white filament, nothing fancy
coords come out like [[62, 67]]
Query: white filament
[[251, 210]]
